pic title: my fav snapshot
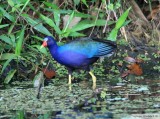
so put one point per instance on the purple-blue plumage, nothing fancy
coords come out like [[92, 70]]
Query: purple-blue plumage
[[80, 53]]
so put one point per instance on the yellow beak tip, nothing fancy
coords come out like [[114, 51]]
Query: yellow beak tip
[[41, 46]]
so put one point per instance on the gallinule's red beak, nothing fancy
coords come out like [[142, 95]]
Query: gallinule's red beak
[[44, 44]]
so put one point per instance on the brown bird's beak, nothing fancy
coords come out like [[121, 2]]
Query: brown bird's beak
[[44, 44]]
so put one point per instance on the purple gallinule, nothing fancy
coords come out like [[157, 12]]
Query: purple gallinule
[[80, 53]]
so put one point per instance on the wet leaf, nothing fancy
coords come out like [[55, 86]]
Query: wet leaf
[[135, 69], [38, 79], [49, 73]]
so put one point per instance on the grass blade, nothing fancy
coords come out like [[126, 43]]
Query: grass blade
[[4, 25], [6, 39], [20, 42], [120, 22], [7, 15], [122, 19], [9, 76]]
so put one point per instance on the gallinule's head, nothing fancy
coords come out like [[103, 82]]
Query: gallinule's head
[[48, 41]]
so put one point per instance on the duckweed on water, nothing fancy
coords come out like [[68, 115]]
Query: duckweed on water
[[51, 98], [58, 101]]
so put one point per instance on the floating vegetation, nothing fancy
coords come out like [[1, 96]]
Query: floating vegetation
[[60, 102]]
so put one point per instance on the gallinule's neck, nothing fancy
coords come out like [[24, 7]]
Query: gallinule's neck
[[53, 49]]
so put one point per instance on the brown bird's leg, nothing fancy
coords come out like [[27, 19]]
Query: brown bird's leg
[[93, 79]]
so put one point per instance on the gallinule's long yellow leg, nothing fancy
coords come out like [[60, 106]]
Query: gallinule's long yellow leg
[[93, 79], [69, 79], [70, 82]]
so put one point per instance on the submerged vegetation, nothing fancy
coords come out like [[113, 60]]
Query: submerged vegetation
[[130, 76]]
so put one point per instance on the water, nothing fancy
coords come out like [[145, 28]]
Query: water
[[58, 102]]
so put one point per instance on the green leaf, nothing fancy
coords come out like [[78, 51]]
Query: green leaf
[[26, 3], [76, 2], [4, 25], [38, 38], [101, 22], [7, 15], [6, 39], [20, 42], [11, 28], [122, 19], [65, 34], [57, 17], [103, 94], [76, 34], [88, 23], [10, 2], [16, 7], [82, 15], [76, 13], [42, 50], [50, 22], [113, 35], [126, 23], [82, 25], [120, 22], [10, 57], [111, 6], [20, 114], [36, 25], [13, 39], [9, 76], [5, 56], [117, 5], [84, 2], [53, 6]]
